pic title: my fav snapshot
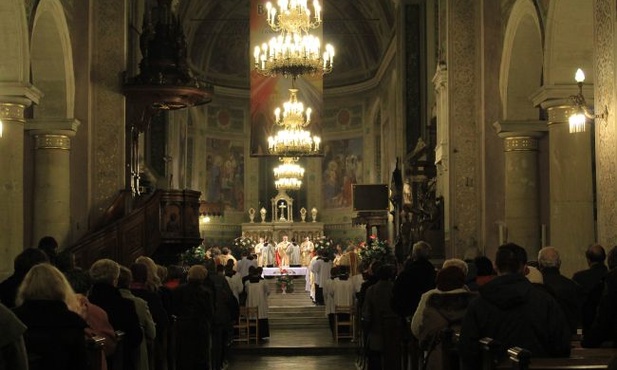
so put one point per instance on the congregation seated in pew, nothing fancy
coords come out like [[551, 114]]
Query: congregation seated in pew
[[513, 311]]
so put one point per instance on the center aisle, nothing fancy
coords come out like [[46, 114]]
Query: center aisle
[[298, 328]]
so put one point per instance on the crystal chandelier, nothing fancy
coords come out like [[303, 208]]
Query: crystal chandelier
[[288, 175], [293, 54], [292, 139], [293, 16]]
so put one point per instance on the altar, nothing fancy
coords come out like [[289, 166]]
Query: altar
[[280, 222], [291, 271]]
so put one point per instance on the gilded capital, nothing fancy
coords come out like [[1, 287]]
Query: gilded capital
[[12, 112], [520, 143], [52, 142], [559, 114]]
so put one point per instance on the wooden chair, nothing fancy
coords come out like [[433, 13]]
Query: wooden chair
[[252, 317], [94, 347], [241, 327], [344, 319]]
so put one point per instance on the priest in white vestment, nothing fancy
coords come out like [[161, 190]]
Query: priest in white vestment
[[281, 251], [258, 252], [293, 252], [267, 253], [306, 251]]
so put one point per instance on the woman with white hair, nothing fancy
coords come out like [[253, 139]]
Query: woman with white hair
[[55, 334], [120, 311]]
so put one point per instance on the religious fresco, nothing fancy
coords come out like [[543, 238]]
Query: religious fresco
[[225, 173], [341, 167]]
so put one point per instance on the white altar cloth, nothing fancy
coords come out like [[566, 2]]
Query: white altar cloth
[[293, 271]]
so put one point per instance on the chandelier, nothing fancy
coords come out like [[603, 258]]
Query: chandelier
[[292, 140], [293, 54], [288, 175], [293, 16]]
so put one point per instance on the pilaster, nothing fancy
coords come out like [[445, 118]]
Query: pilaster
[[52, 178], [522, 183], [571, 188], [14, 99]]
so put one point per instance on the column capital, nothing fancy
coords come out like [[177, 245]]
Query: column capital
[[53, 126], [531, 128], [19, 93], [551, 95], [12, 112], [520, 144], [51, 141]]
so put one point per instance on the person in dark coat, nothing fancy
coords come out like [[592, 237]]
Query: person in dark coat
[[568, 293], [604, 327], [55, 334], [417, 278], [120, 311], [512, 311], [193, 306], [592, 282], [22, 264], [376, 314]]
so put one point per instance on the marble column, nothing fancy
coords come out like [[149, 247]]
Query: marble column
[[12, 107], [52, 180], [571, 189], [522, 184]]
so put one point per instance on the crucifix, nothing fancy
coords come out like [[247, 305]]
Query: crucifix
[[282, 207]]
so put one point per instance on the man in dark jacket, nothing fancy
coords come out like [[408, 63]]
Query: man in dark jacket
[[513, 312], [567, 292], [604, 327], [592, 282], [417, 277]]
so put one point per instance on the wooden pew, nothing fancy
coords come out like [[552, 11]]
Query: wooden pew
[[449, 349], [490, 353], [116, 361], [95, 346], [580, 358]]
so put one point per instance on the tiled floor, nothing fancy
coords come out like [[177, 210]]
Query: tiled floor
[[331, 362]]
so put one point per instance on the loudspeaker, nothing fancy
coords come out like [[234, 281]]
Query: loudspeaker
[[373, 197]]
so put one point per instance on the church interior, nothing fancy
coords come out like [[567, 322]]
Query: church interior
[[461, 107]]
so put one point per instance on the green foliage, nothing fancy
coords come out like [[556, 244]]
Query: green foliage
[[326, 245], [376, 250], [193, 256], [242, 243]]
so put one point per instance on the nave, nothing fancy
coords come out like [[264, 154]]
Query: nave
[[299, 337]]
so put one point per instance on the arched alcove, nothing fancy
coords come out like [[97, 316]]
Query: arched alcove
[[52, 62], [521, 63]]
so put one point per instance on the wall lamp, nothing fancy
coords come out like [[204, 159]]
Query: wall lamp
[[582, 111]]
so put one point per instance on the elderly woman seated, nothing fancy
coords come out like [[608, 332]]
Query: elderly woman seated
[[440, 308], [55, 335]]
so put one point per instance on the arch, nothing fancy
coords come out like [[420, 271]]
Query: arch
[[15, 62], [52, 61], [569, 41], [521, 62]]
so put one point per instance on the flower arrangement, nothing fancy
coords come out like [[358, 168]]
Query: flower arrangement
[[285, 281], [193, 256], [376, 250], [242, 243], [325, 244]]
